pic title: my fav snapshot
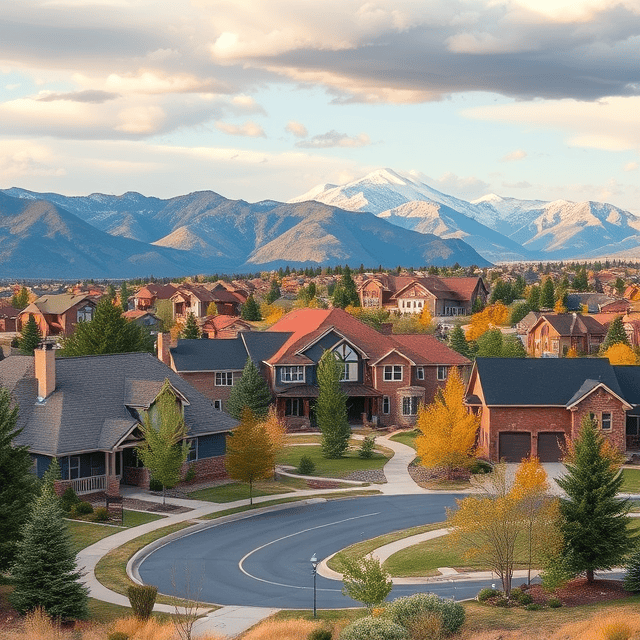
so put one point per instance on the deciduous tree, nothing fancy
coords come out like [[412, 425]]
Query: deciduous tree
[[447, 429], [620, 354], [20, 300], [365, 580], [331, 407], [250, 392], [212, 309]]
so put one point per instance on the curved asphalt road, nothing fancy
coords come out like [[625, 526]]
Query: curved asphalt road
[[263, 561]]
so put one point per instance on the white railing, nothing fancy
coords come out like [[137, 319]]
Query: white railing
[[89, 485]]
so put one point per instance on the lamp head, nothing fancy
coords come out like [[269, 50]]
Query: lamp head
[[314, 561]]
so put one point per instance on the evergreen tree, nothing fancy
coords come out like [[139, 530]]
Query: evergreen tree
[[124, 296], [458, 342], [30, 337], [191, 330], [615, 335], [490, 344], [274, 292], [17, 483], [518, 287], [519, 311], [512, 347], [251, 310], [45, 572], [547, 296], [331, 407], [20, 300], [110, 293], [250, 392], [51, 475], [632, 575], [594, 525], [478, 305], [580, 282], [108, 332], [345, 293], [534, 298]]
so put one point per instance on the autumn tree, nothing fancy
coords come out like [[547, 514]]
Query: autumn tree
[[250, 454], [212, 309], [164, 449], [365, 580], [276, 430], [331, 407], [620, 354], [251, 392], [30, 337], [191, 329], [490, 317], [447, 429], [20, 300], [425, 318]]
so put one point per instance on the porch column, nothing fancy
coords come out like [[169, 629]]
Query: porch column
[[107, 463], [306, 408]]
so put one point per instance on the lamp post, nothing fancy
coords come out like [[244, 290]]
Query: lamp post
[[314, 573]]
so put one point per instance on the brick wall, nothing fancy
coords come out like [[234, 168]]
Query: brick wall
[[598, 402], [136, 476], [205, 383], [60, 486], [207, 468]]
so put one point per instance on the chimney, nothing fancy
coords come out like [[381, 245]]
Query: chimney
[[45, 369], [164, 343], [386, 328]]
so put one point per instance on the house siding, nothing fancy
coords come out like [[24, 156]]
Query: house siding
[[598, 402]]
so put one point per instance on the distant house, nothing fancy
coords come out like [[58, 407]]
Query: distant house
[[195, 299], [592, 301], [224, 326], [87, 412], [147, 297], [143, 319], [57, 315], [9, 318], [535, 406], [553, 334], [523, 327], [413, 294]]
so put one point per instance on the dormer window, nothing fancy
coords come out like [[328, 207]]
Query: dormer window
[[291, 374], [349, 359], [85, 314]]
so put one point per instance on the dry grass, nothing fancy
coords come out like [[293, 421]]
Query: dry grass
[[282, 630], [38, 626], [615, 625]]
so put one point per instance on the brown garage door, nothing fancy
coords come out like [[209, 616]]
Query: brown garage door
[[550, 446], [513, 447]]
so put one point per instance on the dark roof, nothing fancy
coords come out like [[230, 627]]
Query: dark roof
[[629, 380], [262, 345], [541, 381], [87, 411], [209, 355], [573, 324]]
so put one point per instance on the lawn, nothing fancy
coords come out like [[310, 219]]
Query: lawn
[[326, 468], [240, 490], [630, 481], [406, 437]]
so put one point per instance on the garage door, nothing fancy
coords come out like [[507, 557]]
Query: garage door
[[550, 446], [513, 447]]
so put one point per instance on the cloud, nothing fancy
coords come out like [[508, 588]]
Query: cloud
[[467, 187], [297, 129], [141, 120], [249, 129], [334, 139], [631, 166], [93, 96], [24, 158], [518, 154], [523, 184]]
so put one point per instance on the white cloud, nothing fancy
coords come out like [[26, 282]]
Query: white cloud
[[518, 154], [297, 129], [141, 120], [631, 166], [249, 129], [23, 158], [334, 139]]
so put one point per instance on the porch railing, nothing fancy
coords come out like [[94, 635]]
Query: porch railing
[[91, 484]]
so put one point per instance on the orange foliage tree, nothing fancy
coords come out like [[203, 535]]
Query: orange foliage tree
[[447, 430], [620, 354], [276, 431], [491, 316]]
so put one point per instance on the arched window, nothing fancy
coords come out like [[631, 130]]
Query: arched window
[[349, 358]]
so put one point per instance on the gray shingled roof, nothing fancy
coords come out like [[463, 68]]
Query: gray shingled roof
[[262, 345], [87, 410]]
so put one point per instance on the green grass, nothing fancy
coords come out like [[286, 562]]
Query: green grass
[[630, 481], [136, 518], [406, 437], [326, 468], [240, 490]]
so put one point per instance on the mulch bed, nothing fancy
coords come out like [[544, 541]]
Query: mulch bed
[[579, 592], [421, 474], [322, 484], [147, 505]]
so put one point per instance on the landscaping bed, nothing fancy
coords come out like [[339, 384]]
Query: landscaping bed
[[580, 592]]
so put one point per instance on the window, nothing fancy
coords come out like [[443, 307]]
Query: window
[[605, 422], [442, 372], [224, 378], [85, 314], [393, 372], [385, 405], [74, 467], [192, 454], [217, 404], [293, 407], [345, 354], [292, 374], [419, 373], [410, 405]]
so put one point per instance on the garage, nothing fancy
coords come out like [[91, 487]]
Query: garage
[[513, 447], [550, 446]]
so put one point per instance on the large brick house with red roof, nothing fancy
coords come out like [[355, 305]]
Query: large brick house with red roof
[[385, 377], [412, 294]]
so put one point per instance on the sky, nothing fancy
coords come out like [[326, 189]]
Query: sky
[[264, 99]]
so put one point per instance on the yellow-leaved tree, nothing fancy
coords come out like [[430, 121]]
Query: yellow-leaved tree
[[276, 431], [491, 316], [425, 317], [559, 307], [572, 353], [620, 354], [447, 430]]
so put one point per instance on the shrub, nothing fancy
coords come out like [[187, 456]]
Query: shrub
[[366, 448], [319, 634], [84, 508], [69, 499], [554, 603], [521, 597], [190, 476], [374, 629], [534, 606], [404, 610], [142, 598], [306, 466], [485, 594], [100, 514], [427, 625], [481, 466], [118, 635], [155, 485]]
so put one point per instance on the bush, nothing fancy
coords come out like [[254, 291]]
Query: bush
[[366, 448], [521, 597], [534, 606], [155, 485], [118, 635], [100, 514], [374, 629], [427, 625], [554, 603], [142, 598], [69, 499], [481, 466], [190, 476], [319, 634], [84, 508], [306, 466], [405, 610], [485, 594]]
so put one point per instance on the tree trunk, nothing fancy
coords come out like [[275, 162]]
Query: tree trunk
[[164, 495], [251, 492], [590, 576]]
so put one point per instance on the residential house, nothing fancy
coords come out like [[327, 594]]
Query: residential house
[[224, 326], [385, 377], [412, 294], [589, 302], [195, 299], [57, 315], [535, 406], [145, 319], [87, 413], [524, 326], [9, 318], [147, 297], [553, 334]]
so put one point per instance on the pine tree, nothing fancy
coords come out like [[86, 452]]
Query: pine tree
[[274, 292], [594, 526], [108, 332], [615, 335], [331, 407], [518, 312], [250, 454], [191, 330], [458, 342], [17, 483], [251, 392], [534, 298], [30, 336], [547, 296], [251, 310], [45, 573], [124, 296], [632, 575], [512, 347], [490, 344]]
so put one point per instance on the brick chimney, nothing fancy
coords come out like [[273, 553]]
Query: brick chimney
[[163, 344], [45, 369]]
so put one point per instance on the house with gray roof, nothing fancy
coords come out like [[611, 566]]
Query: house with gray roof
[[87, 412], [58, 314]]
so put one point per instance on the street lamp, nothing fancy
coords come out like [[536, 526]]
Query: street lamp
[[314, 573]]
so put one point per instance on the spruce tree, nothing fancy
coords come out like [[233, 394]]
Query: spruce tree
[[331, 407], [534, 298], [615, 335], [17, 483], [191, 330], [251, 392], [124, 296], [594, 520], [632, 575], [45, 573], [30, 336], [458, 342], [251, 310], [547, 296], [274, 292], [490, 344]]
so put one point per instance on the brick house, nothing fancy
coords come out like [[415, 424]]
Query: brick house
[[147, 297], [58, 314], [413, 294], [191, 298], [9, 318], [553, 334], [87, 412], [224, 326], [385, 377], [534, 406]]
